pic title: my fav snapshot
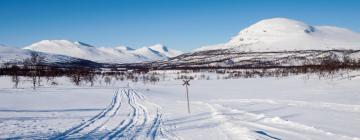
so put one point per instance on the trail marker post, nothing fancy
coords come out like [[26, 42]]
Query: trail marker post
[[186, 84]]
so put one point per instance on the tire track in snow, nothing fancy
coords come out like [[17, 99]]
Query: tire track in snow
[[144, 117], [232, 130], [89, 135], [249, 123], [82, 126], [129, 123], [156, 128], [319, 105], [260, 121], [138, 124]]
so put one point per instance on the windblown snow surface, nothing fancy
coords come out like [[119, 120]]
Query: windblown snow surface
[[297, 108]]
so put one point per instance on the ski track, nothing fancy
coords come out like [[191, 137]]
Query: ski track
[[251, 126], [319, 105], [87, 123], [135, 123], [154, 128], [94, 131], [138, 124], [142, 119]]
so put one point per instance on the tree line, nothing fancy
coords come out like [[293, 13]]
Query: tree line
[[35, 69]]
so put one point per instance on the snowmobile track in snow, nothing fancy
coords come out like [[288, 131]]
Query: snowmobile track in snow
[[85, 124], [136, 125], [136, 121], [259, 126]]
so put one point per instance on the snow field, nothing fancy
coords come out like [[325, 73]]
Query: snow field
[[294, 107]]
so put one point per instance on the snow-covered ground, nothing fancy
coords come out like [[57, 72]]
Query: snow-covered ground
[[295, 107]]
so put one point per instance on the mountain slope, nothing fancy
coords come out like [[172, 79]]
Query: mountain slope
[[276, 42], [14, 55], [232, 58], [279, 34], [103, 55], [165, 51], [149, 53]]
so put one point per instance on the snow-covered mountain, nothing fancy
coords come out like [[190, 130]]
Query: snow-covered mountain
[[14, 55], [270, 42], [279, 34], [120, 54], [165, 51], [277, 42]]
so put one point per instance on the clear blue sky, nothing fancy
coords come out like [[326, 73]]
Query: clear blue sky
[[180, 24]]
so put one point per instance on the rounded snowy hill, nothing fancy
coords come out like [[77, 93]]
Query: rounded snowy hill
[[13, 55], [282, 34], [101, 54]]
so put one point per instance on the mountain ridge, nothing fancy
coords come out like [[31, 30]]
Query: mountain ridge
[[121, 54], [282, 34], [266, 42]]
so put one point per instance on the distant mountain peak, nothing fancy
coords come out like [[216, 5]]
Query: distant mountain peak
[[53, 41], [43, 44], [280, 25], [121, 54], [277, 27], [83, 44], [159, 47], [279, 34], [124, 48]]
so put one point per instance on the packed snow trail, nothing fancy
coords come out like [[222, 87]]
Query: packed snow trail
[[238, 123], [142, 120], [82, 126]]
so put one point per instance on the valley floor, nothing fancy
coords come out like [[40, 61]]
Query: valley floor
[[294, 107]]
